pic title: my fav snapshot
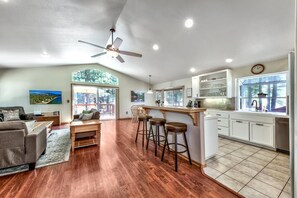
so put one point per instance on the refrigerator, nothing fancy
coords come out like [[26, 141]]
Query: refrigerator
[[293, 120]]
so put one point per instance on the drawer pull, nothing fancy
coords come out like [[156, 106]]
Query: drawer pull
[[259, 124], [219, 120], [219, 129], [218, 114], [239, 121]]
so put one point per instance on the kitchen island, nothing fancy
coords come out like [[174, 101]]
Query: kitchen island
[[194, 118]]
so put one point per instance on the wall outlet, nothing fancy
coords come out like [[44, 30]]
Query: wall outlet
[[126, 112]]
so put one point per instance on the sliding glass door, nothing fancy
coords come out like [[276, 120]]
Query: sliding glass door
[[104, 99]]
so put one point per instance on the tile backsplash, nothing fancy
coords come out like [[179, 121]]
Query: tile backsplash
[[214, 103]]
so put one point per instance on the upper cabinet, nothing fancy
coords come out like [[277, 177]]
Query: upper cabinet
[[213, 85]]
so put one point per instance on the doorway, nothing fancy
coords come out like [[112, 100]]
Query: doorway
[[104, 99]]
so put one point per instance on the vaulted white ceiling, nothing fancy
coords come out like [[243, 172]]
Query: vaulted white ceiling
[[248, 31]]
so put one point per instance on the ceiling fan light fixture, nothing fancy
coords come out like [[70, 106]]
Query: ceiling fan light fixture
[[113, 54]]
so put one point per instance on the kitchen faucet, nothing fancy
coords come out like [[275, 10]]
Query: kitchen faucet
[[256, 107]]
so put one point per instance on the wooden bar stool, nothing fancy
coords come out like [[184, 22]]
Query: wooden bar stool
[[142, 119], [181, 128], [157, 122]]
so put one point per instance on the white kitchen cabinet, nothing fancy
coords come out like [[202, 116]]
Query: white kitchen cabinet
[[195, 82], [262, 133], [215, 85], [223, 121], [240, 129]]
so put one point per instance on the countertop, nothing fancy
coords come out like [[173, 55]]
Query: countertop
[[176, 109], [260, 113]]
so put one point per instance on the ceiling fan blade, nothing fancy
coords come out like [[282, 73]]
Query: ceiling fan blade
[[120, 59], [130, 53], [117, 42], [91, 44], [100, 54]]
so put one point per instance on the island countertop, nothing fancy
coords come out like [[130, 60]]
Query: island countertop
[[192, 112], [176, 109]]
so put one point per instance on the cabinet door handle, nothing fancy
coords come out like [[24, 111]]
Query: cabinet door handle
[[218, 114], [219, 129], [219, 120], [259, 124], [238, 121]]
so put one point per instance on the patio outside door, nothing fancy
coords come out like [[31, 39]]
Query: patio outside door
[[104, 99]]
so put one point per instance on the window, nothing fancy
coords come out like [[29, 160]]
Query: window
[[95, 76], [171, 97], [268, 90]]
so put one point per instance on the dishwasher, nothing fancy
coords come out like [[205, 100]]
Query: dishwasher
[[282, 137]]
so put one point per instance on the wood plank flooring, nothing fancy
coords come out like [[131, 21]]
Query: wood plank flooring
[[118, 167]]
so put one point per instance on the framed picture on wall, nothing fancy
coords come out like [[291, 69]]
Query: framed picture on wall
[[189, 92], [137, 96]]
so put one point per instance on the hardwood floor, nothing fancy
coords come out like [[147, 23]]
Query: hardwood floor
[[117, 168]]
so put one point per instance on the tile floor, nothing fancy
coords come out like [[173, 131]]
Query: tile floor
[[251, 171]]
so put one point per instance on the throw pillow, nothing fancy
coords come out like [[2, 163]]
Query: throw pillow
[[86, 111], [30, 126], [11, 115], [87, 116], [1, 117]]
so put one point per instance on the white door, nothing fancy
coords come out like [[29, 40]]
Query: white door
[[262, 133], [240, 129]]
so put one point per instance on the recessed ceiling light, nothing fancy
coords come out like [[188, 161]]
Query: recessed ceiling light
[[156, 47], [192, 70], [229, 60], [5, 1], [189, 23], [44, 54]]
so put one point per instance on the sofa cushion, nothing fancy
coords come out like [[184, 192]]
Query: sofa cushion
[[11, 115]]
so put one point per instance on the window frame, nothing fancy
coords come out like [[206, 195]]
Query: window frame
[[237, 87], [171, 89]]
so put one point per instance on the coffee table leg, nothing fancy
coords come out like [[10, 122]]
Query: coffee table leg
[[72, 140]]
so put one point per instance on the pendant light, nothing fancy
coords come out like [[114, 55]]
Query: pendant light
[[150, 91]]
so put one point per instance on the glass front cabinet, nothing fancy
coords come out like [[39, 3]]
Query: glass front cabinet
[[213, 85]]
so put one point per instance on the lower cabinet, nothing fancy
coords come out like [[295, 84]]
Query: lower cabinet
[[223, 130], [239, 129], [262, 133]]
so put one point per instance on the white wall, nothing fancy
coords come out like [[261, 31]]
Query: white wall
[[270, 67], [16, 83]]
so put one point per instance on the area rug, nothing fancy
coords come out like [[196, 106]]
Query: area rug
[[57, 151]]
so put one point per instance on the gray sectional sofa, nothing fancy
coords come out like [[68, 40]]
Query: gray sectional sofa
[[19, 146]]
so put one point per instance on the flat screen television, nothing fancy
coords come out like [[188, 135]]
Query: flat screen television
[[45, 97]]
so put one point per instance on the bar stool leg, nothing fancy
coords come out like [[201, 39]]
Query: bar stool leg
[[158, 134], [143, 132], [149, 135], [137, 131], [157, 140], [185, 138], [166, 137], [166, 143], [175, 136]]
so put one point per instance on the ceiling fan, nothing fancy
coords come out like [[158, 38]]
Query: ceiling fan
[[113, 48]]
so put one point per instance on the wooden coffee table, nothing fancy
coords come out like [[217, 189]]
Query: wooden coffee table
[[77, 127], [47, 124]]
